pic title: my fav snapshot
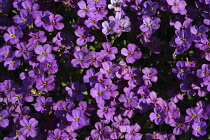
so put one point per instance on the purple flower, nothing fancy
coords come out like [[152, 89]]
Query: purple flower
[[108, 69], [30, 6], [14, 34], [76, 89], [77, 119], [93, 20], [28, 127], [84, 9], [101, 132], [184, 38], [143, 91], [143, 106], [57, 134], [84, 36], [194, 114], [181, 70], [44, 53], [25, 50], [6, 53], [150, 25], [199, 129], [105, 111], [123, 25], [63, 39], [42, 19], [99, 92], [204, 72], [12, 64], [24, 19], [62, 107], [198, 33], [109, 51], [178, 6], [46, 84], [55, 22], [128, 99], [120, 123], [4, 122], [131, 53], [205, 46], [132, 132], [150, 8], [149, 74], [43, 104], [37, 37], [108, 27], [81, 60], [158, 116]]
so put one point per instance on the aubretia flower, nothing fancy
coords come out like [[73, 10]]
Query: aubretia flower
[[12, 64], [37, 37], [109, 51], [108, 69], [57, 134], [105, 111], [158, 115], [75, 90], [150, 25], [46, 83], [24, 19], [101, 132], [4, 122], [93, 20], [43, 104], [132, 132], [108, 27], [115, 4], [14, 34], [42, 19], [28, 127], [6, 52], [25, 50], [128, 99], [123, 25], [84, 36], [77, 119], [184, 38], [194, 114], [181, 70], [80, 60], [150, 8], [84, 9], [143, 106], [99, 92], [149, 74], [131, 53], [204, 72], [55, 22], [178, 6], [44, 53], [199, 129]]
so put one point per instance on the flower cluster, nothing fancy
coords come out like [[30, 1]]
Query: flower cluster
[[104, 70]]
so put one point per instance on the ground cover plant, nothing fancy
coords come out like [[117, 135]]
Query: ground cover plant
[[104, 69]]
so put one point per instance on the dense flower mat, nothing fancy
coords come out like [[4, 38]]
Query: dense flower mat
[[104, 70]]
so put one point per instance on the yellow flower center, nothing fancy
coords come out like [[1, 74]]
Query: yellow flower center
[[96, 2], [108, 70], [208, 43], [36, 36], [128, 100], [85, 10], [184, 39], [175, 3], [28, 127], [44, 53], [13, 36], [109, 28], [181, 70], [53, 22], [100, 93], [149, 26], [93, 21], [24, 20], [158, 115], [194, 115], [81, 60], [101, 132], [105, 110], [24, 50], [130, 53], [76, 119], [11, 62], [151, 8], [198, 34], [198, 128], [1, 118], [207, 73]]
